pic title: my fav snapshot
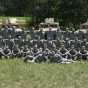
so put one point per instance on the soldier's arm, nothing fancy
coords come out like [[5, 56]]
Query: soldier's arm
[[3, 53], [59, 52], [9, 52], [69, 53], [76, 53], [85, 53], [66, 51]]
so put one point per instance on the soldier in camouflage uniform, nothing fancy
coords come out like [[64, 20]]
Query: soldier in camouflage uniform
[[83, 53], [6, 52], [16, 51], [73, 53]]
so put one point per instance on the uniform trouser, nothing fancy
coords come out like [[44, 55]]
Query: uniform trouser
[[17, 55], [40, 58], [58, 58], [1, 56], [64, 56], [30, 58], [83, 56], [73, 57], [7, 56]]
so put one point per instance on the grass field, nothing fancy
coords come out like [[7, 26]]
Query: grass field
[[17, 74]]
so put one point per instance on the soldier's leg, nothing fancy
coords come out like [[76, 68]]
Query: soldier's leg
[[28, 58], [84, 57]]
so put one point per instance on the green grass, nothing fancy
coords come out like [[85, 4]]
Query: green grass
[[17, 74]]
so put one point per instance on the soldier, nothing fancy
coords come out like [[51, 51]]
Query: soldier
[[16, 51], [59, 33], [46, 52], [35, 50], [67, 43], [54, 48], [63, 51], [72, 53], [50, 33], [49, 44], [78, 43], [84, 42], [34, 55], [10, 43], [71, 42], [39, 58], [25, 51], [83, 53], [21, 51], [54, 55], [63, 56], [6, 52], [41, 34]]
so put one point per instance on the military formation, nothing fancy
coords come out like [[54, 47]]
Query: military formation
[[57, 46]]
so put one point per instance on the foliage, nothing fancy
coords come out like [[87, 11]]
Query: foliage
[[66, 11], [73, 11]]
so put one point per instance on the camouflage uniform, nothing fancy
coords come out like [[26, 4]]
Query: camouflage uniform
[[72, 53], [6, 52], [83, 53]]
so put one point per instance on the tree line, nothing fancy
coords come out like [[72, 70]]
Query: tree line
[[67, 12]]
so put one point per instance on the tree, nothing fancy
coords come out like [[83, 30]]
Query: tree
[[72, 11], [66, 11]]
